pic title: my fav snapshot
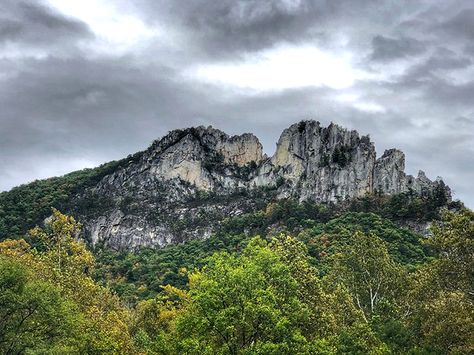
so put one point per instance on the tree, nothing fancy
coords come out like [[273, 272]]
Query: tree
[[246, 303], [64, 263], [360, 340], [442, 292], [330, 308], [453, 240], [365, 267], [447, 323], [33, 314], [154, 321]]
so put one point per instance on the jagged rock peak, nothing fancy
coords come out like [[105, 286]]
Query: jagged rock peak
[[326, 163], [239, 149], [158, 189], [389, 172]]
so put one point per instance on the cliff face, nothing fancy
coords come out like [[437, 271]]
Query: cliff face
[[321, 163], [163, 196], [390, 177]]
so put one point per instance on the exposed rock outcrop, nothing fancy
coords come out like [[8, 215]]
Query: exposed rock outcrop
[[148, 201], [321, 163], [390, 177]]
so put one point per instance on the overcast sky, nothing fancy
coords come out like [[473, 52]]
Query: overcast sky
[[85, 82]]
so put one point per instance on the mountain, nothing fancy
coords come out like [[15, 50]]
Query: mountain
[[189, 181]]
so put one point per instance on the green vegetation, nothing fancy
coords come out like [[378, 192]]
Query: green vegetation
[[318, 280], [25, 206], [342, 155], [129, 273], [247, 295], [33, 314], [49, 304]]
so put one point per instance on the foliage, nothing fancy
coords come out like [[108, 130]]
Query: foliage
[[33, 315], [129, 273], [325, 239], [365, 267], [60, 267], [406, 206], [25, 206], [453, 240], [345, 283], [247, 302], [342, 155], [442, 293]]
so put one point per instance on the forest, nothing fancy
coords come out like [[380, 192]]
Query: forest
[[350, 282]]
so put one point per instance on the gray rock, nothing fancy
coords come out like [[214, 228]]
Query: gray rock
[[192, 179]]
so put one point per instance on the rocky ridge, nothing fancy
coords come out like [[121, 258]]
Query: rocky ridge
[[190, 179]]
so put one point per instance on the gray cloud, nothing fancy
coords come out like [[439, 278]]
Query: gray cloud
[[226, 27], [74, 107], [229, 28], [385, 48], [34, 24], [460, 25]]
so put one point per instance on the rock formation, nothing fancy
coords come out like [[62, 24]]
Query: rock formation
[[321, 163], [195, 176]]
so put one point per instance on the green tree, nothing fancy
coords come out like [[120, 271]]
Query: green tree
[[369, 272], [65, 263], [243, 304], [33, 314], [442, 312], [360, 340], [453, 240], [330, 308]]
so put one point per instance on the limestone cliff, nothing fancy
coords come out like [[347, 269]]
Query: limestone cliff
[[192, 178], [321, 163], [390, 177]]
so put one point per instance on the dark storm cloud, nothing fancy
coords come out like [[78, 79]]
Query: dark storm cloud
[[228, 28], [232, 26], [430, 80], [74, 106], [31, 22], [250, 25], [459, 26], [66, 110], [78, 101], [385, 49]]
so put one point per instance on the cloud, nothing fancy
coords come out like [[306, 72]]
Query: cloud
[[85, 82], [24, 22], [227, 27], [460, 25], [385, 48], [301, 66]]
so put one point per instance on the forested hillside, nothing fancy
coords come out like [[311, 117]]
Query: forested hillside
[[315, 281], [26, 206], [185, 185], [203, 245], [301, 188]]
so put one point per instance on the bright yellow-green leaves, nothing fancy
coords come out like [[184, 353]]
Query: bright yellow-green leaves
[[368, 271], [64, 264]]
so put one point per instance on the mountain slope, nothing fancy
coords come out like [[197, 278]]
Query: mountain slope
[[189, 181]]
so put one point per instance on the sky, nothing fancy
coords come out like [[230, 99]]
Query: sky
[[85, 82]]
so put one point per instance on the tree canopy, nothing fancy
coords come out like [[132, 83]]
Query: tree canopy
[[338, 287]]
